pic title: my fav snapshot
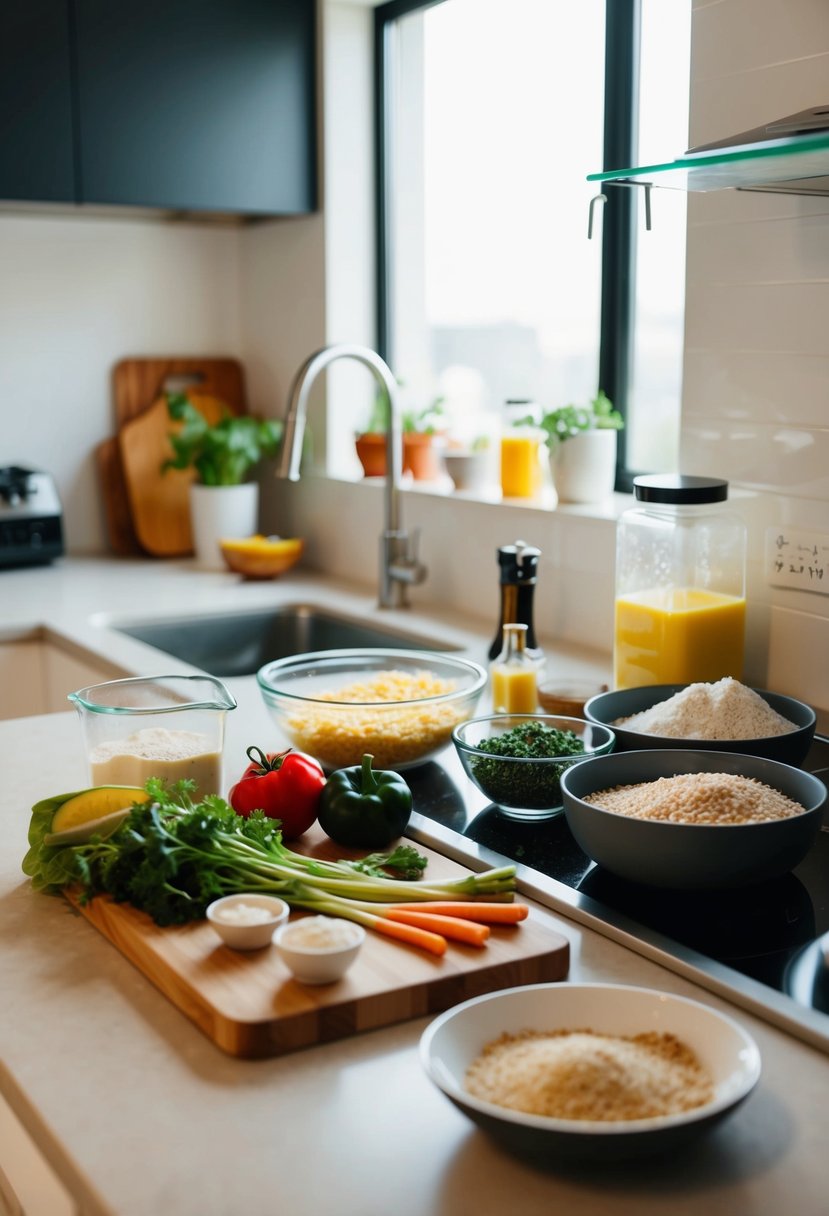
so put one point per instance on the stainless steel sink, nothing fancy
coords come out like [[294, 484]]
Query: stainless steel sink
[[239, 644]]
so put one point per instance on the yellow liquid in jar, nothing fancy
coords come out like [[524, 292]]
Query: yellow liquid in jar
[[678, 636], [514, 690], [520, 469]]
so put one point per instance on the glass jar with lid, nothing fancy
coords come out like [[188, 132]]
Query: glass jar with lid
[[680, 584]]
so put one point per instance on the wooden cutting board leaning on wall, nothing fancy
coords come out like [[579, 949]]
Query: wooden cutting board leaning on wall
[[160, 500], [137, 385]]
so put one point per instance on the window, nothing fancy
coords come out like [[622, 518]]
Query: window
[[492, 114]]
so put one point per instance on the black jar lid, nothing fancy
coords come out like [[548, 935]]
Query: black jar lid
[[680, 488]]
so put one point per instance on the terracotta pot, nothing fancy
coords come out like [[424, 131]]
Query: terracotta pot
[[421, 456], [371, 450]]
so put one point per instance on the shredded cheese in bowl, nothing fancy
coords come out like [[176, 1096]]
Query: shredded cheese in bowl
[[391, 715]]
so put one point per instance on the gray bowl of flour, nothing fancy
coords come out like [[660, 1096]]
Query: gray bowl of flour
[[704, 845], [691, 716]]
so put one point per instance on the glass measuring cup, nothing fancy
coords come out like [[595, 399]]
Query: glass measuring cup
[[155, 726]]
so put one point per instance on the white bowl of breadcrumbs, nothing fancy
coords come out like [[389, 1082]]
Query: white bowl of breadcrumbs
[[693, 820], [601, 1071]]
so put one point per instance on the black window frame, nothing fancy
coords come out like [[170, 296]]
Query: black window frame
[[618, 275]]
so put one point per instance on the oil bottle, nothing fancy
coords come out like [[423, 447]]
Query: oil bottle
[[513, 675]]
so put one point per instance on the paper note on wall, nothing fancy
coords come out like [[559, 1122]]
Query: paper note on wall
[[795, 558]]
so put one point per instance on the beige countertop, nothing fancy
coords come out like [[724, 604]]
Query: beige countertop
[[138, 1113]]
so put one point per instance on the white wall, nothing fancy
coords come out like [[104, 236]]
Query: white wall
[[756, 385], [78, 294]]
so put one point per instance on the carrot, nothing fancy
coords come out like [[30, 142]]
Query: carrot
[[449, 926], [487, 913], [413, 935]]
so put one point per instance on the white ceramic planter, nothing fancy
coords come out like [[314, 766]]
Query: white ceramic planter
[[221, 513], [583, 467]]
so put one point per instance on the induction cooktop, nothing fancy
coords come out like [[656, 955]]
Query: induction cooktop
[[763, 940]]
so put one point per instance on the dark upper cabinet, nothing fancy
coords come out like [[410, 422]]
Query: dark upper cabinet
[[36, 130], [182, 105]]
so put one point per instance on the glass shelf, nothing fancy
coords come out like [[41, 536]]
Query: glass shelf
[[794, 165]]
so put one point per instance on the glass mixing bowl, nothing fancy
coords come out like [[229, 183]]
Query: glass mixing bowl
[[398, 705]]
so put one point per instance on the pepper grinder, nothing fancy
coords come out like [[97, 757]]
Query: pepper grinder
[[519, 567]]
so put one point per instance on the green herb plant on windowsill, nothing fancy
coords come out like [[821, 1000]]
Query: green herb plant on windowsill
[[570, 420], [421, 429], [582, 446]]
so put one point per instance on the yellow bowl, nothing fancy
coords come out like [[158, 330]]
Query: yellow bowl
[[262, 556]]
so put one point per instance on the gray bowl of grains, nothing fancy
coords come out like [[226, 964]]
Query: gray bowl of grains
[[590, 1072], [721, 716], [693, 820]]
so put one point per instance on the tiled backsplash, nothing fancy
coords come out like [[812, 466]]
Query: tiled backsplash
[[756, 384]]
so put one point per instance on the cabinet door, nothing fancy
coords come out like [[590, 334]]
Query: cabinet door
[[21, 679], [36, 148], [198, 104]]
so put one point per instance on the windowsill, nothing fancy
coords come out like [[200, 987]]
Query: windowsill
[[610, 508]]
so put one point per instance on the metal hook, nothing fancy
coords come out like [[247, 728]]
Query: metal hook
[[597, 198], [648, 206]]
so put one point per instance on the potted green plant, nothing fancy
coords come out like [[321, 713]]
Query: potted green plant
[[421, 430], [582, 448], [223, 503]]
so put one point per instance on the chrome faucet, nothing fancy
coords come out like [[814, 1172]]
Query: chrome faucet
[[399, 565]]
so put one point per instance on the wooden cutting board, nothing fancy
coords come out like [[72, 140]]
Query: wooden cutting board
[[160, 501], [249, 1005], [137, 383], [117, 516]]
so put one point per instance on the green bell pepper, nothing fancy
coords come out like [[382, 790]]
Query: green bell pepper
[[361, 807]]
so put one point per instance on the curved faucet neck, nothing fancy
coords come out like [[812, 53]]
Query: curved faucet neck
[[398, 565]]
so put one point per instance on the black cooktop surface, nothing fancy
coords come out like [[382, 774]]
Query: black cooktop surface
[[769, 932]]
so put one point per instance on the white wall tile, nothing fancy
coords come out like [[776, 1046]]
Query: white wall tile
[[757, 386], [799, 655], [740, 36], [788, 317], [756, 376]]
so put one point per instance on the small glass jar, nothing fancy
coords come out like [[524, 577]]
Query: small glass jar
[[514, 675], [680, 584]]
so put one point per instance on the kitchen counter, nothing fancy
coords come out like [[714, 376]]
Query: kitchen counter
[[138, 1113]]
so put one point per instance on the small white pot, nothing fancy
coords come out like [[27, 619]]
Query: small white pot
[[221, 513], [468, 470], [583, 467]]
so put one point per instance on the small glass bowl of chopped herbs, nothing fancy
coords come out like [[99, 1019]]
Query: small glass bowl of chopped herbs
[[516, 760]]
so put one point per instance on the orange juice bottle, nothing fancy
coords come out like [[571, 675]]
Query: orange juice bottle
[[521, 463], [680, 585], [513, 675]]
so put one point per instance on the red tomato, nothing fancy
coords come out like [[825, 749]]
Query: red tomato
[[286, 786]]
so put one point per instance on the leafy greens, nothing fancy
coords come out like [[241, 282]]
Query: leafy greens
[[172, 856]]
